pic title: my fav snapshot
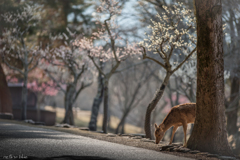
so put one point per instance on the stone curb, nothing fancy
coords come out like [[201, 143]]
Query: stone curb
[[179, 148]]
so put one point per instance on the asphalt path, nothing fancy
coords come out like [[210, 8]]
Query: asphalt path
[[25, 142]]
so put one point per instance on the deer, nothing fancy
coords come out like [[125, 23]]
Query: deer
[[179, 115]]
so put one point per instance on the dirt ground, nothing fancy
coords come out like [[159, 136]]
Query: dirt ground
[[125, 140]]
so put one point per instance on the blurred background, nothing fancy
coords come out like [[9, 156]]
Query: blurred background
[[134, 84]]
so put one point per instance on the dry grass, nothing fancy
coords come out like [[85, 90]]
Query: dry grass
[[82, 119]]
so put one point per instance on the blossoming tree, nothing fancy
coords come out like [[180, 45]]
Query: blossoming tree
[[70, 70], [18, 47], [172, 34], [106, 45], [38, 82]]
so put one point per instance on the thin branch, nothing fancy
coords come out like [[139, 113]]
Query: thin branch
[[79, 75], [184, 60], [111, 38], [161, 48], [146, 57], [161, 54], [113, 69], [83, 86], [149, 1], [173, 46], [36, 64], [95, 64], [12, 67], [155, 61], [128, 67], [55, 81]]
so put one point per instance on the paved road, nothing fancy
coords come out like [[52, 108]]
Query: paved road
[[37, 143]]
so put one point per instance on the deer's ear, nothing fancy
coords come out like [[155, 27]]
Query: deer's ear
[[156, 126]]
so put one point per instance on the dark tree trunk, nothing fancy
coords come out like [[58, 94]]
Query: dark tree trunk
[[121, 123], [209, 133], [24, 98], [232, 114], [69, 117], [96, 105], [152, 106], [123, 128], [105, 106], [5, 96]]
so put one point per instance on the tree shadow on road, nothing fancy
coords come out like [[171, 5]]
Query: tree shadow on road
[[19, 131], [71, 158]]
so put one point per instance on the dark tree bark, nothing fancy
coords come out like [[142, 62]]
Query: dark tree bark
[[209, 133], [153, 104], [121, 123], [68, 118], [24, 98], [96, 105], [105, 106], [25, 81], [233, 106], [71, 94], [5, 96]]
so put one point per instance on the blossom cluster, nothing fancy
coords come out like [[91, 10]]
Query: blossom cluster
[[65, 63], [110, 7], [27, 15], [15, 39], [106, 44], [67, 52], [175, 29]]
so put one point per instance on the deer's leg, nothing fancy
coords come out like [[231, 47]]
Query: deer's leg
[[185, 133], [173, 132]]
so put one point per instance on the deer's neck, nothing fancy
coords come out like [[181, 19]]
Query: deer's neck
[[166, 127], [167, 123]]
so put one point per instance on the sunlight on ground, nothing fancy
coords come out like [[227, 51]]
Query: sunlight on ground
[[82, 119]]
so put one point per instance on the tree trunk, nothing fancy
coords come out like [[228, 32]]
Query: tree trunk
[[121, 123], [105, 107], [123, 128], [69, 118], [24, 97], [96, 105], [232, 115], [209, 132], [152, 106], [5, 99]]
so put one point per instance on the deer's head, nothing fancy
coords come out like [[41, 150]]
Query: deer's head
[[159, 132]]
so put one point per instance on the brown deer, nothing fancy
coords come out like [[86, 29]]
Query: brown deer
[[179, 115]]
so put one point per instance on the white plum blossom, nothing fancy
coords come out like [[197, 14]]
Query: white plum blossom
[[66, 64], [173, 32], [106, 44]]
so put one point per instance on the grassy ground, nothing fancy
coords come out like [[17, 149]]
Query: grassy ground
[[82, 119]]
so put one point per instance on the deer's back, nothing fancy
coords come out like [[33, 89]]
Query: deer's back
[[184, 112]]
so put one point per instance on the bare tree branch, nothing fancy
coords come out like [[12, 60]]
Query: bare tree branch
[[12, 67], [98, 68], [184, 60], [146, 57]]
